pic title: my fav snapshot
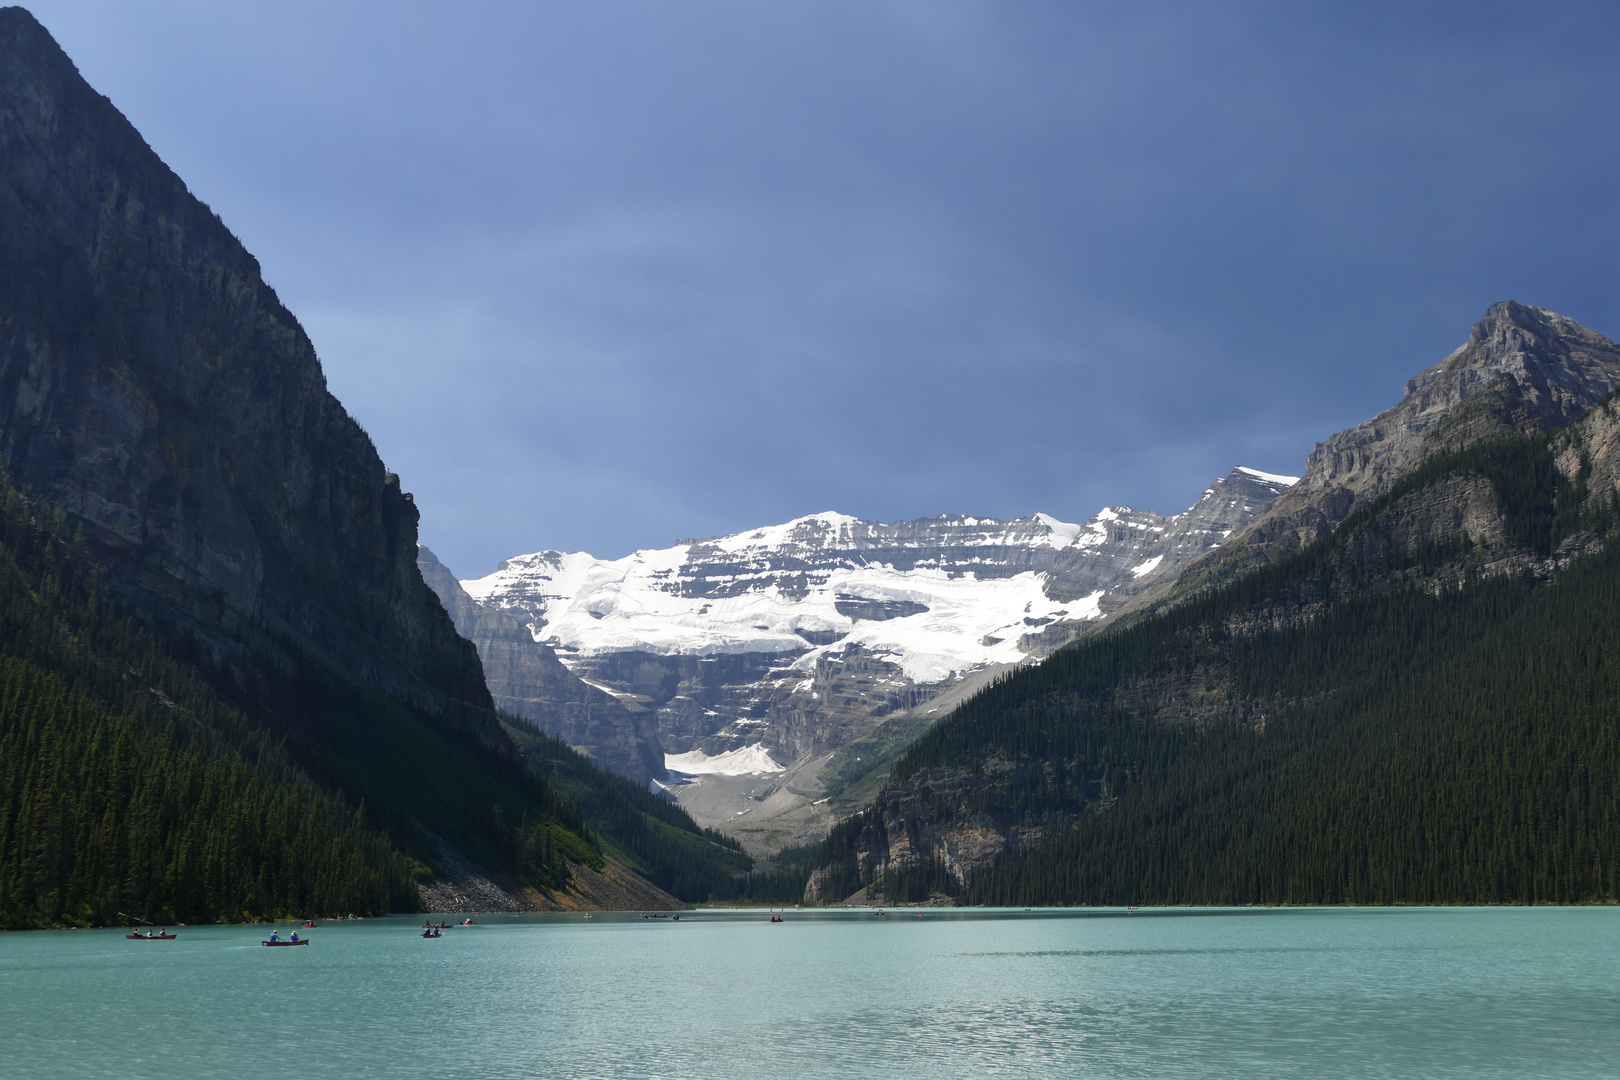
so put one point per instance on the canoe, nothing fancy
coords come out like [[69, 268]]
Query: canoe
[[150, 937], [300, 941]]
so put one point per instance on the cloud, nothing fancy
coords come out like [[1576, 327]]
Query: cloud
[[602, 276]]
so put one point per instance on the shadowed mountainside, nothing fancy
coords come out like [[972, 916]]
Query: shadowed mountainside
[[154, 387]]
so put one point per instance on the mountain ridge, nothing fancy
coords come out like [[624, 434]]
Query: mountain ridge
[[1294, 729], [802, 639], [1523, 369]]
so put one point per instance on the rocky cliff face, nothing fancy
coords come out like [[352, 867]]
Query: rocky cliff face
[[152, 385], [1522, 369], [1590, 451], [526, 678]]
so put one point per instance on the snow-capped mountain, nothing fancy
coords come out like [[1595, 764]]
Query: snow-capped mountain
[[798, 638]]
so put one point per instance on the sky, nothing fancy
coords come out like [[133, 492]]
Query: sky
[[604, 276]]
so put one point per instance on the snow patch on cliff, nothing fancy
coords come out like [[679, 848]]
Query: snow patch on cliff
[[1270, 478], [747, 761]]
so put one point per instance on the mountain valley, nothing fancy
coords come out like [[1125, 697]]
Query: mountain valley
[[229, 693], [764, 657], [235, 686]]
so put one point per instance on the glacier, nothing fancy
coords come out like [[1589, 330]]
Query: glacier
[[767, 654]]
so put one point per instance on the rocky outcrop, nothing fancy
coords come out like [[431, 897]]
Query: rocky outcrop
[[526, 678], [905, 828], [153, 386], [1523, 369], [1589, 452]]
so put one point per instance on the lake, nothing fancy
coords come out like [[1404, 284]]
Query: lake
[[1406, 992]]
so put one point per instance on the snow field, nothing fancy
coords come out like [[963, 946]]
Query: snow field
[[752, 760], [587, 606]]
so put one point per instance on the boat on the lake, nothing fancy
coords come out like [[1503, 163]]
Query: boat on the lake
[[777, 918], [163, 935], [432, 931], [278, 942]]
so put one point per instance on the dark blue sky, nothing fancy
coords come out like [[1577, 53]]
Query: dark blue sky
[[600, 276]]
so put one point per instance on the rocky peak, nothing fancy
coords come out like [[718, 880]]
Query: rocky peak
[[1536, 369], [1522, 369]]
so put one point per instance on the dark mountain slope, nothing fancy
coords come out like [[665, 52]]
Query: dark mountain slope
[[152, 385], [1417, 708], [160, 406], [128, 788], [649, 833]]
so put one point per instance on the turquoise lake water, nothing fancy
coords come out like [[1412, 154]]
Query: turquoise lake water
[[1186, 993]]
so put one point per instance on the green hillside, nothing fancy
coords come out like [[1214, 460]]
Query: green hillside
[[1366, 720], [650, 834], [135, 783]]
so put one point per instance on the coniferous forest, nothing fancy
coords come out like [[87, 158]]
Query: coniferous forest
[[128, 789], [138, 786], [650, 834], [1358, 722]]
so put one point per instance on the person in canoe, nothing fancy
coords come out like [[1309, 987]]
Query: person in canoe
[[275, 935], [295, 937]]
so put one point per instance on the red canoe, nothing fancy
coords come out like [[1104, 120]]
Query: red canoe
[[300, 941], [150, 937]]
